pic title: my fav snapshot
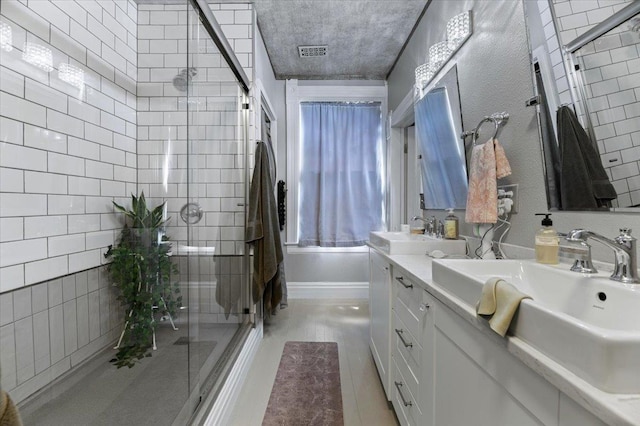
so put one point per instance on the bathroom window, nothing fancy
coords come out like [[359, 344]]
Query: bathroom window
[[341, 185]]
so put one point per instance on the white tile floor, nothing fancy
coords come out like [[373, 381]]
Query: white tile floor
[[342, 321]]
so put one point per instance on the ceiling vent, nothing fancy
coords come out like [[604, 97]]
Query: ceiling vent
[[312, 51]]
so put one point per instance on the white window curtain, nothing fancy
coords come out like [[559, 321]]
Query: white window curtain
[[341, 196]]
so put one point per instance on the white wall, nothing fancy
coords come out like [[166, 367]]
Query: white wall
[[494, 75], [65, 152]]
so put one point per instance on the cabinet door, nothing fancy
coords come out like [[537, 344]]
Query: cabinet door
[[380, 316], [478, 382]]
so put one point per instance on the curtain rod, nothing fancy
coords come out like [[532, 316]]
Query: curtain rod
[[215, 31]]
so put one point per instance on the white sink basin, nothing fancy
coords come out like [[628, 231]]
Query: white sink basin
[[403, 243], [586, 322]]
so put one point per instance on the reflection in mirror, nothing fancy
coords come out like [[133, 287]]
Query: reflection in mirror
[[438, 126], [602, 88]]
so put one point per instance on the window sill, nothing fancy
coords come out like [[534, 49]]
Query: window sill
[[292, 248]]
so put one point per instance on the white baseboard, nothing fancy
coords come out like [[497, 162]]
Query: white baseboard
[[328, 290], [222, 409]]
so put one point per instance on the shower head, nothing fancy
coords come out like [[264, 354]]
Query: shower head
[[182, 80]]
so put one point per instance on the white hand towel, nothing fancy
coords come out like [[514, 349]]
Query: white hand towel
[[498, 304]]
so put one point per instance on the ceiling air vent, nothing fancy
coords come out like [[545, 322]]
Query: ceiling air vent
[[312, 51]]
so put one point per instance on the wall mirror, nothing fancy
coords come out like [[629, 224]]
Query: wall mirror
[[595, 69], [438, 127]]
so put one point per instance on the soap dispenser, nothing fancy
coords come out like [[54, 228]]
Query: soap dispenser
[[547, 242], [451, 229]]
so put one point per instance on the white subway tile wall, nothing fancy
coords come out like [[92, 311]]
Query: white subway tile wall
[[67, 152], [215, 151], [610, 66], [63, 147]]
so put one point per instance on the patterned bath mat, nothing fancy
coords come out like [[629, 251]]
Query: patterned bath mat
[[307, 387]]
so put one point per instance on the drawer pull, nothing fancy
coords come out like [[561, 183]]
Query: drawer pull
[[424, 307], [404, 342], [401, 281], [404, 401]]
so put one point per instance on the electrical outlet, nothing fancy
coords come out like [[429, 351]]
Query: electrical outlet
[[513, 188], [422, 207]]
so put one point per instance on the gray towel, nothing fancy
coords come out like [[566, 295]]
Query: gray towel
[[584, 182], [264, 233]]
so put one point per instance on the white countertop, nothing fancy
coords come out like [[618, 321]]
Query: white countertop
[[613, 409]]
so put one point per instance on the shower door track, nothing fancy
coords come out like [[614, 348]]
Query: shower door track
[[216, 34]]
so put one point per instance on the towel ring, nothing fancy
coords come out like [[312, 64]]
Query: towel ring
[[496, 123], [499, 119]]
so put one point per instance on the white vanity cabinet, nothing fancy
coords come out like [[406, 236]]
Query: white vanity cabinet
[[442, 366], [412, 351], [380, 299]]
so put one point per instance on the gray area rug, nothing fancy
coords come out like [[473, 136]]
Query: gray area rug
[[307, 388]]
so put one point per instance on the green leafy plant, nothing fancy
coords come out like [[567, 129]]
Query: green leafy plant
[[141, 269]]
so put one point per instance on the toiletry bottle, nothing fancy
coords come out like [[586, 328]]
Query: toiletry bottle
[[547, 242], [451, 231]]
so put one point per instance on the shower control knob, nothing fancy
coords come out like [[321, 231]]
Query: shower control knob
[[191, 213]]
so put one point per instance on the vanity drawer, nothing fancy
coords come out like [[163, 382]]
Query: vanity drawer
[[407, 291], [408, 345], [403, 400], [407, 357], [411, 316]]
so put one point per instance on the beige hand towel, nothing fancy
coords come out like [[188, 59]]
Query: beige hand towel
[[498, 303]]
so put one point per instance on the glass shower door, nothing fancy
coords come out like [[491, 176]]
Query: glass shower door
[[215, 200]]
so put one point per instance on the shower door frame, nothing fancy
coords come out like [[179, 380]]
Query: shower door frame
[[204, 396]]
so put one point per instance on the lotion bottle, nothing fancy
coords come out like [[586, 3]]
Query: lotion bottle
[[451, 229], [547, 242]]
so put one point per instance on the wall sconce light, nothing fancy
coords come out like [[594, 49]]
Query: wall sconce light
[[71, 74], [459, 29], [439, 53], [424, 73], [38, 56], [6, 37]]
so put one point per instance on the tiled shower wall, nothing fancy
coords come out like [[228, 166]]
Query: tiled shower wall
[[48, 328], [215, 154], [65, 152], [612, 70]]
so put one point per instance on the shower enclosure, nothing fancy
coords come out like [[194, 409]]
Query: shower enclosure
[[186, 122]]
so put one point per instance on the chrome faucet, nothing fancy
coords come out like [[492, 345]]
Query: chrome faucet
[[428, 224], [624, 247], [420, 218]]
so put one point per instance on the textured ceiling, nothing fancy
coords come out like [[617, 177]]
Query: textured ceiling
[[364, 37]]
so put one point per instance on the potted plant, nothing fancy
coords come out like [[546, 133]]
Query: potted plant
[[141, 269]]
